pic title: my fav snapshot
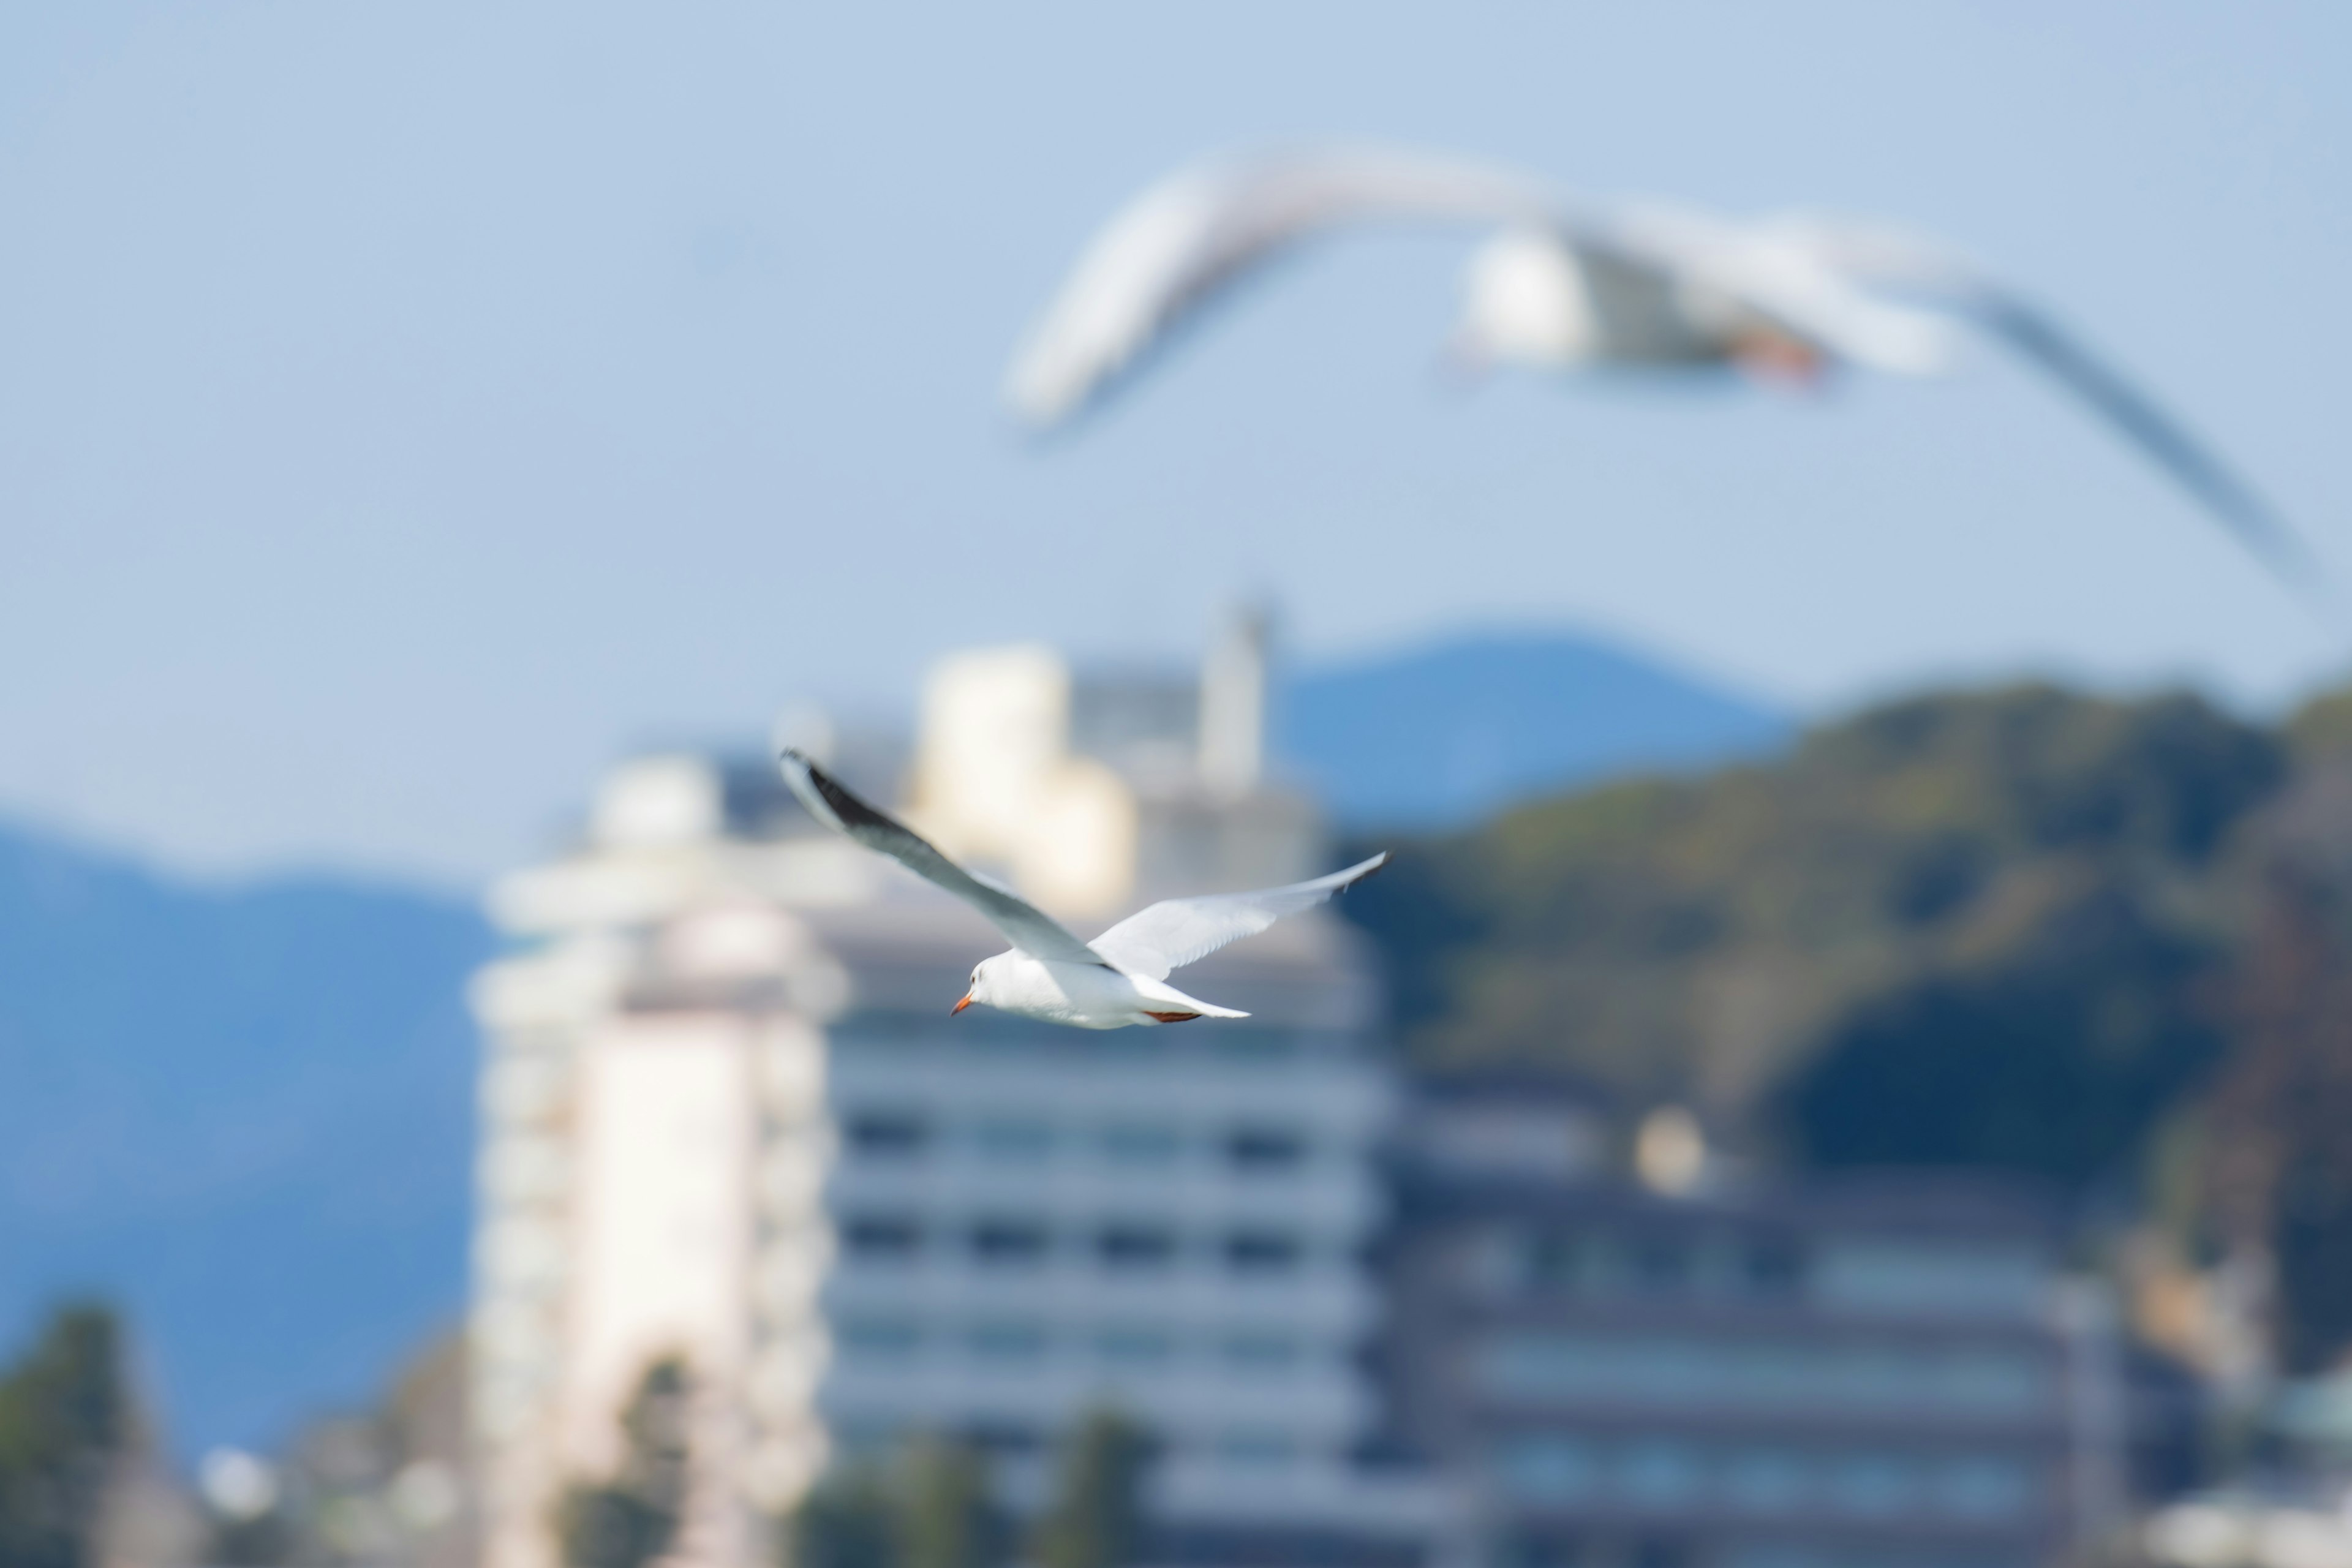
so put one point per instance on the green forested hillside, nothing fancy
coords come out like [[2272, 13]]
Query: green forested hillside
[[1707, 936], [2023, 929]]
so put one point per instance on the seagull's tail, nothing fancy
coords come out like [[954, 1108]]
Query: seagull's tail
[[1194, 1005]]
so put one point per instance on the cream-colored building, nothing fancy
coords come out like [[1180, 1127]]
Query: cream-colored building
[[726, 1117]]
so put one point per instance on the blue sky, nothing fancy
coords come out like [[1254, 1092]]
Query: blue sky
[[404, 408]]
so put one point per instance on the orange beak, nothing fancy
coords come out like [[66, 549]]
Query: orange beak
[[960, 1006]]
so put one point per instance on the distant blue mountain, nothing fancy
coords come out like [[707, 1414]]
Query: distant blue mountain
[[1440, 736], [243, 1115]]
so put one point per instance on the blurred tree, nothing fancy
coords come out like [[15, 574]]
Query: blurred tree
[[65, 1423], [1095, 1518], [265, 1540], [931, 1507], [2280, 1174], [2054, 1057], [846, 1523], [2321, 729], [384, 1486], [946, 1515], [632, 1519]]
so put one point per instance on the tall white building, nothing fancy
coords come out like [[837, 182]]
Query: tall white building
[[726, 1117]]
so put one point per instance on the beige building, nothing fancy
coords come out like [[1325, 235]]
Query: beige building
[[727, 1118]]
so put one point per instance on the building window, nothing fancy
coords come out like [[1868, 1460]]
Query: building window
[[1262, 1252], [1543, 1552], [1264, 1151], [1773, 1269], [1761, 1374], [1548, 1470], [1008, 1242], [1658, 1268], [1257, 1448], [1870, 1485], [1006, 1341], [1867, 1375], [1660, 1473], [1994, 1382], [1006, 1439], [1982, 1488], [1765, 1480], [882, 1238], [1141, 1144], [1136, 1245], [1549, 1264], [887, 1134], [1950, 1278], [1135, 1347], [879, 1339], [1261, 1351], [1013, 1140]]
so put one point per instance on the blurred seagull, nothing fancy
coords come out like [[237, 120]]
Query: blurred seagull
[[1562, 284], [1050, 974]]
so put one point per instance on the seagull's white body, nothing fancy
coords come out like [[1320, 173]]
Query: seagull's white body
[[1085, 995], [1117, 981], [1564, 284]]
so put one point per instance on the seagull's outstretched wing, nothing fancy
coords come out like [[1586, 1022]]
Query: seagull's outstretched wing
[[1173, 933], [2232, 502], [1186, 238], [1024, 925], [1893, 258]]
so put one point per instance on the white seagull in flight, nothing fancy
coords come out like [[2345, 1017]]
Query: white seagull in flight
[[1118, 980], [1565, 285]]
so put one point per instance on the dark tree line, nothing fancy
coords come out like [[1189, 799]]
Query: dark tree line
[[65, 1423], [932, 1506], [928, 1505], [2279, 1128]]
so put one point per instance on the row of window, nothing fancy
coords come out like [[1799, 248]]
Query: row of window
[[1643, 1473], [1257, 1448], [1601, 1264], [1683, 1372], [1603, 1551], [1014, 1243], [1937, 1278], [890, 1339], [1258, 1148]]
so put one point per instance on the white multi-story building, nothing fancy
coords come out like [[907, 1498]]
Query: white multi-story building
[[726, 1117]]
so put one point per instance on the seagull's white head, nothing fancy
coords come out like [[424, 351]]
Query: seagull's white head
[[1526, 301], [988, 983]]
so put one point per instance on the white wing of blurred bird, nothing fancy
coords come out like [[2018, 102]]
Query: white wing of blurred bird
[[1563, 286], [1121, 978], [1889, 258], [1641, 285]]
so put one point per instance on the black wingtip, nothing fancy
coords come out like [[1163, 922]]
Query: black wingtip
[[846, 807]]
